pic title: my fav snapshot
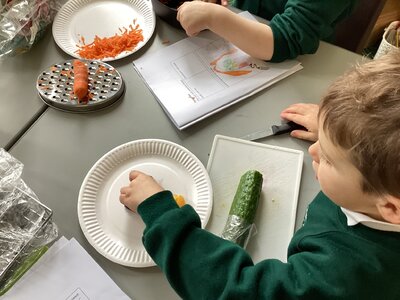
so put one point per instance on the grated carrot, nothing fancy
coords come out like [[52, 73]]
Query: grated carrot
[[101, 48]]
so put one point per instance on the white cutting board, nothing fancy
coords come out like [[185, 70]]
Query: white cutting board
[[281, 167]]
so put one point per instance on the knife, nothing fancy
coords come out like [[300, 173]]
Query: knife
[[273, 130]]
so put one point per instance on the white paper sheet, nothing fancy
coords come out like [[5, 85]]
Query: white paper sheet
[[65, 271], [199, 76]]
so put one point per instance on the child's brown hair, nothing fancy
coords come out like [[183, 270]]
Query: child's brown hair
[[361, 114]]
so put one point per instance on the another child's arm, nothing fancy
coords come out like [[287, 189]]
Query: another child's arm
[[141, 187], [296, 30], [305, 114], [252, 37]]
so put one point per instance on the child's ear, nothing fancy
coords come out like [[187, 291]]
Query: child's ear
[[389, 208]]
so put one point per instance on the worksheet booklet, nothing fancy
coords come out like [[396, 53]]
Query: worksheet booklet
[[199, 76]]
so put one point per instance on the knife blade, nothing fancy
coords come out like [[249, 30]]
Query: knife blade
[[273, 130]]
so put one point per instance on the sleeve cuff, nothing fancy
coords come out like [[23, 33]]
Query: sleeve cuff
[[155, 206], [281, 48]]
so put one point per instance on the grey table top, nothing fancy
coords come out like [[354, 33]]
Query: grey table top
[[60, 148]]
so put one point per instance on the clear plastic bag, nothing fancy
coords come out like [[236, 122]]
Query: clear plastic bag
[[238, 231], [26, 228], [23, 23]]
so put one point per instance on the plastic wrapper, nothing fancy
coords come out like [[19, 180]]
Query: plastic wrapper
[[238, 231], [23, 23], [26, 227]]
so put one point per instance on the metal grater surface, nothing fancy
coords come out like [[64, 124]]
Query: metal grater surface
[[55, 86]]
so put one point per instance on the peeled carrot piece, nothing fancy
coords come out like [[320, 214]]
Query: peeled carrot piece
[[81, 79]]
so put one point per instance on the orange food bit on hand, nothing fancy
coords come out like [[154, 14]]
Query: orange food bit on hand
[[179, 200], [100, 48]]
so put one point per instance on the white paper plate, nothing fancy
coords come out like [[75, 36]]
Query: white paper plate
[[113, 230], [281, 167], [88, 18]]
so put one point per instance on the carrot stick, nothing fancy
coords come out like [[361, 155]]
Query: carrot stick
[[81, 79]]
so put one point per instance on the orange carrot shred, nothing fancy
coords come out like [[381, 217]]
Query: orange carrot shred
[[101, 48]]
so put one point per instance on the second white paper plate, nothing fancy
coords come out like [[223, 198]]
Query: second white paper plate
[[113, 230]]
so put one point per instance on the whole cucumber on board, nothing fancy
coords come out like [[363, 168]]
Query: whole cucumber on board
[[244, 207]]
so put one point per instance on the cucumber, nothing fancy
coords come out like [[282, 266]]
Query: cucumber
[[244, 207], [247, 195]]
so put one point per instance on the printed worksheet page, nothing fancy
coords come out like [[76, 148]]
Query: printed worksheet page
[[201, 75], [66, 271]]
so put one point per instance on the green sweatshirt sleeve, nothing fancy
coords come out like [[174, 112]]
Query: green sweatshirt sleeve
[[303, 24], [327, 260], [201, 265]]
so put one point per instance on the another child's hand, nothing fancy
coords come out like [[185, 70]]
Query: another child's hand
[[195, 16], [222, 2], [141, 187], [305, 114]]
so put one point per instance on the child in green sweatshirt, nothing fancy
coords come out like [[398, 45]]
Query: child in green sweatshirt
[[296, 26], [349, 244]]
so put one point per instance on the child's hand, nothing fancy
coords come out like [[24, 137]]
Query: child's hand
[[222, 2], [305, 114], [195, 16], [141, 187]]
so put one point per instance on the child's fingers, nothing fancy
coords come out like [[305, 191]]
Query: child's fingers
[[125, 190], [190, 33], [291, 110], [123, 198], [298, 119], [178, 15], [134, 174], [298, 108], [304, 135], [180, 8]]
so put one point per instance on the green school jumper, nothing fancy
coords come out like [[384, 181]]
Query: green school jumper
[[298, 25], [326, 258]]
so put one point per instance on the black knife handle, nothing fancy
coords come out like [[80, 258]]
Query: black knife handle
[[286, 127]]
